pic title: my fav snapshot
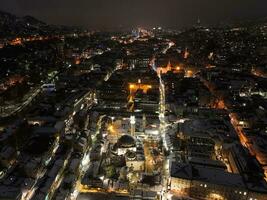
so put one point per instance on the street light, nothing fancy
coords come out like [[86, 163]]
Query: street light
[[112, 119]]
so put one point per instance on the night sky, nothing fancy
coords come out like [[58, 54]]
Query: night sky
[[111, 13]]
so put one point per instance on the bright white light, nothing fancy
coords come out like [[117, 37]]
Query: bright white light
[[154, 132], [161, 115], [1, 174], [169, 196], [85, 160], [132, 119], [82, 106]]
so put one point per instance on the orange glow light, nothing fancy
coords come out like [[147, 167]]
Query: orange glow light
[[132, 86]]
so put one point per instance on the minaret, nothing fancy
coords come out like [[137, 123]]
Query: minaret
[[144, 122], [132, 122], [198, 22], [186, 53], [169, 66]]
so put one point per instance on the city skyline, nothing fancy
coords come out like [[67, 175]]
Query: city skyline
[[116, 13]]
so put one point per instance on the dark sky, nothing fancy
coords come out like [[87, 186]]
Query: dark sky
[[175, 13]]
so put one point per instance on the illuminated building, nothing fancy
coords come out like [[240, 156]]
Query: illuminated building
[[208, 183], [139, 86], [178, 68], [164, 70]]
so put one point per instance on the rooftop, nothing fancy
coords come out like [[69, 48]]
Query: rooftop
[[206, 174]]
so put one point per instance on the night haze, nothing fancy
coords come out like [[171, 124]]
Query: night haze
[[133, 100], [113, 13]]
